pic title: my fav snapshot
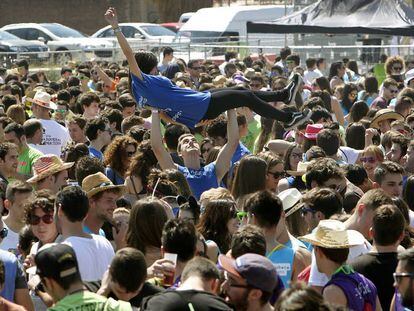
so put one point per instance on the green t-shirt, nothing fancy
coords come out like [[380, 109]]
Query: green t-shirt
[[253, 129], [89, 301], [26, 160]]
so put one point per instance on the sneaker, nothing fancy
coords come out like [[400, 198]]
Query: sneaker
[[298, 118], [292, 88]]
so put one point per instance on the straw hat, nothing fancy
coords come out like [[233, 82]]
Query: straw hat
[[43, 99], [333, 234], [98, 182], [48, 165], [290, 199], [385, 114]]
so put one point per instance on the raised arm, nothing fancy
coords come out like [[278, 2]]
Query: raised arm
[[103, 76], [226, 153], [162, 155], [112, 18]]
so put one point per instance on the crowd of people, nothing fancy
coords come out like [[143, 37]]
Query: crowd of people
[[254, 184]]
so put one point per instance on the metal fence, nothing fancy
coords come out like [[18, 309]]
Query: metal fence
[[365, 55]]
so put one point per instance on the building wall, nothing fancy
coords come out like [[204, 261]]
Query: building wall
[[87, 15]]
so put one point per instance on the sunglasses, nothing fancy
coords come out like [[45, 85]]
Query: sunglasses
[[306, 210], [399, 276], [277, 175], [297, 155], [241, 215], [255, 85], [35, 220], [83, 77], [396, 68], [233, 213], [61, 110], [196, 68], [130, 154], [368, 160], [3, 233]]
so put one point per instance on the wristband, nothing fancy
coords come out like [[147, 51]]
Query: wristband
[[117, 29], [154, 111]]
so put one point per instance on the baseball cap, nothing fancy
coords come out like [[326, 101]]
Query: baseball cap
[[258, 271], [56, 261]]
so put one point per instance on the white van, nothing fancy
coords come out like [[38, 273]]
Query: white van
[[221, 24]]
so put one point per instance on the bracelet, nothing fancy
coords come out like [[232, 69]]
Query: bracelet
[[117, 29]]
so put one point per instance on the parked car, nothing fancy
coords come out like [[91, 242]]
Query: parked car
[[140, 35], [16, 47], [172, 26], [60, 38]]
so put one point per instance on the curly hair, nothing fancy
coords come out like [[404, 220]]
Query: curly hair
[[213, 222], [43, 199], [391, 61], [115, 153], [142, 163]]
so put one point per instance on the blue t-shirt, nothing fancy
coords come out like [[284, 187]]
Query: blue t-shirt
[[87, 230], [182, 105], [200, 180], [95, 153], [240, 152]]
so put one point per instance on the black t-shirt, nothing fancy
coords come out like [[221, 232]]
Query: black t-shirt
[[180, 300], [378, 267], [147, 290]]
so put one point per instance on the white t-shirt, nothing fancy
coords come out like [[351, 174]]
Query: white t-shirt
[[348, 154], [94, 256], [10, 242], [55, 136], [311, 75], [320, 279]]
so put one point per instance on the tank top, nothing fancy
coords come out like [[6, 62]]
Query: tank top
[[282, 257], [361, 293]]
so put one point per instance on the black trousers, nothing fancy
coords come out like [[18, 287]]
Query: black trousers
[[258, 101]]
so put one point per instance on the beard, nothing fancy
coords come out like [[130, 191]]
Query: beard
[[242, 304], [407, 298]]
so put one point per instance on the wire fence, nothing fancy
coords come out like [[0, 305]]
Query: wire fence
[[364, 55]]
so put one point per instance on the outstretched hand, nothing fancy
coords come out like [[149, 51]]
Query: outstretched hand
[[111, 17]]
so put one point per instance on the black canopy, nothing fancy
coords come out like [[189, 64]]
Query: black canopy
[[386, 17]]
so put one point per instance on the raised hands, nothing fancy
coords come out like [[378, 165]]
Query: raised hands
[[111, 17]]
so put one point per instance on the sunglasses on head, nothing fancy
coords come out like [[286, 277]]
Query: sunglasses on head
[[35, 220], [3, 233], [277, 175], [368, 160]]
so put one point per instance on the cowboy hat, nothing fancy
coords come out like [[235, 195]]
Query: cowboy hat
[[333, 234], [43, 99], [48, 165], [385, 114], [98, 182]]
